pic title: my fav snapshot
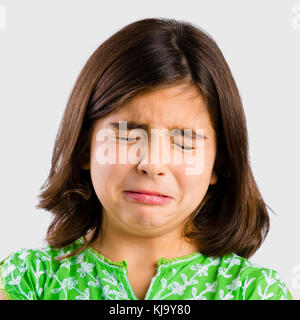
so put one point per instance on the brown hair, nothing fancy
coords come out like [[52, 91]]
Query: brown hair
[[143, 55]]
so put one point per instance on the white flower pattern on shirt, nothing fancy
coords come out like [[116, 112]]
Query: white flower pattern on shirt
[[91, 276]]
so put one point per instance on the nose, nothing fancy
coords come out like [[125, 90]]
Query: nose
[[150, 162], [151, 169]]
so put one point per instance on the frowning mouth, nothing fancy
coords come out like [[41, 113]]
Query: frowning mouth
[[147, 198], [154, 193]]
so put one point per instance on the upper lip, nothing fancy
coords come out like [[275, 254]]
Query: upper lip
[[151, 192]]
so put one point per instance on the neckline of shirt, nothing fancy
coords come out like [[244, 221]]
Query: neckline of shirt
[[161, 261]]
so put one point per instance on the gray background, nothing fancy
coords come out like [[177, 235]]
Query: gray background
[[44, 45]]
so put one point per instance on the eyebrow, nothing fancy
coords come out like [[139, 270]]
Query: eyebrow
[[131, 125]]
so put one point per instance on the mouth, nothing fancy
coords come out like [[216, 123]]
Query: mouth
[[152, 193], [147, 198]]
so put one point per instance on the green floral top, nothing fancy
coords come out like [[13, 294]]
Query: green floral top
[[34, 274]]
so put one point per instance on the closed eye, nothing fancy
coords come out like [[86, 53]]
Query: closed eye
[[126, 139], [133, 139], [184, 147]]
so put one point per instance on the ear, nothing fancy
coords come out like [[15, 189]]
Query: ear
[[213, 178]]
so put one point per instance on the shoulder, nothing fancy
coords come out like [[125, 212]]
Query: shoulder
[[24, 272], [254, 281], [19, 273]]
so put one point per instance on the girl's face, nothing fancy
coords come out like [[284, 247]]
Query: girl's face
[[177, 106]]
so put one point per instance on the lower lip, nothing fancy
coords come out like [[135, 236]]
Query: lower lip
[[147, 198]]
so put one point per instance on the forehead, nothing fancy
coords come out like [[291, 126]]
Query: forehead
[[180, 105]]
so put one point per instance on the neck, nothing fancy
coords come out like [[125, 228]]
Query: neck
[[141, 251]]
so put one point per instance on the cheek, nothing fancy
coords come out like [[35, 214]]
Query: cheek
[[197, 166], [194, 186], [104, 177], [193, 189]]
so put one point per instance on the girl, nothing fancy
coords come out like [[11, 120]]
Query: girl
[[142, 229]]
